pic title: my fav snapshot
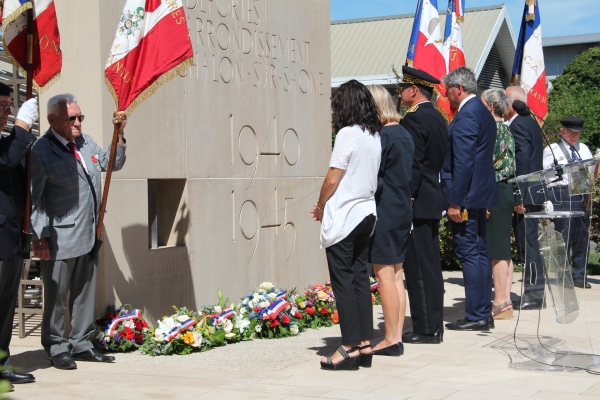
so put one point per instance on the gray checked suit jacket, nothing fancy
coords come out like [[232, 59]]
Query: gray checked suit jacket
[[61, 198]]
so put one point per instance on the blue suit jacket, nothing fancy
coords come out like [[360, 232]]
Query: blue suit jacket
[[468, 171]]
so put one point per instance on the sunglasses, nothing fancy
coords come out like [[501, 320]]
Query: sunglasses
[[72, 118]]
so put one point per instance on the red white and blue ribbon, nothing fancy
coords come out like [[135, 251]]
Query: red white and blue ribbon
[[374, 285], [281, 295], [223, 316], [274, 309], [174, 332], [110, 329]]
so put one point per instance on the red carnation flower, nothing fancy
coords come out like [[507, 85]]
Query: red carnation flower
[[138, 325], [285, 319], [257, 309], [324, 311], [273, 323], [310, 310], [139, 338], [121, 334], [298, 315]]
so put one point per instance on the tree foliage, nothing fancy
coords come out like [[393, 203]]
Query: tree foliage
[[577, 92]]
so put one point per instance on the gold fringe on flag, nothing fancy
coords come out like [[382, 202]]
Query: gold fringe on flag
[[530, 16], [149, 91], [12, 17]]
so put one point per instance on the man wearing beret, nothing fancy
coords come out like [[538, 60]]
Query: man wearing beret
[[13, 149], [422, 267], [575, 230]]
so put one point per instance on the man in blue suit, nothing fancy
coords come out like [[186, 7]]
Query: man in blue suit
[[469, 189]]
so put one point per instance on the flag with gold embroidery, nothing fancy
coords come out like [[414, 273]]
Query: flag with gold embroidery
[[45, 45], [151, 47]]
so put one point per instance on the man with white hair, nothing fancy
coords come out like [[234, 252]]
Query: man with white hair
[[528, 158], [65, 198]]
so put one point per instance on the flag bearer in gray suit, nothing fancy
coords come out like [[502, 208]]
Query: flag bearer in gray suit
[[66, 166], [13, 148]]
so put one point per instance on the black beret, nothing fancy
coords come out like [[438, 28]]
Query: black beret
[[418, 77], [5, 90], [573, 124]]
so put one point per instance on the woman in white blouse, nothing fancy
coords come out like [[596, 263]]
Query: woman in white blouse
[[346, 209]]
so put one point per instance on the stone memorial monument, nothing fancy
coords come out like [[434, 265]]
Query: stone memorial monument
[[223, 162]]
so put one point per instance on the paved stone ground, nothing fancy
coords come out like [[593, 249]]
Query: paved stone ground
[[468, 365]]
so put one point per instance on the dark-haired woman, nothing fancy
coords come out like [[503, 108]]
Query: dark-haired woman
[[346, 209]]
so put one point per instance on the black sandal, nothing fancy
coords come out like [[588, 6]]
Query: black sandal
[[347, 364], [366, 359]]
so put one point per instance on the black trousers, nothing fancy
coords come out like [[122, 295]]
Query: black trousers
[[526, 236], [424, 280], [10, 275], [575, 231], [347, 262]]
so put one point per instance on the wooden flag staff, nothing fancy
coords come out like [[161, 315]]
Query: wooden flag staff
[[111, 160], [26, 234]]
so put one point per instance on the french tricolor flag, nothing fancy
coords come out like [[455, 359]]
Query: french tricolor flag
[[528, 69], [426, 47], [454, 52], [151, 47], [47, 56]]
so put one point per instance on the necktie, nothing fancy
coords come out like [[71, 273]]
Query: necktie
[[71, 147], [574, 154]]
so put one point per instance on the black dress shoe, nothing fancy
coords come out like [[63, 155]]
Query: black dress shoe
[[466, 325], [582, 285], [92, 355], [394, 350], [15, 377], [412, 337], [533, 304], [491, 322], [63, 361]]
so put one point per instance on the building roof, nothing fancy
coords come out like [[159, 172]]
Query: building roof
[[572, 39], [367, 48]]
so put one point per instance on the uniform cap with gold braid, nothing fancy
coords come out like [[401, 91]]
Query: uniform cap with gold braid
[[418, 77]]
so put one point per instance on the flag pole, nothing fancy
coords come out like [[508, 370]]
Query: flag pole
[[109, 170], [26, 235]]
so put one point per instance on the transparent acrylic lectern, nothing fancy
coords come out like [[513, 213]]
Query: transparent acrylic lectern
[[555, 337]]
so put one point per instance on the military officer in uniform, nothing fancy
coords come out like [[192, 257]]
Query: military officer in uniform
[[575, 230], [422, 266]]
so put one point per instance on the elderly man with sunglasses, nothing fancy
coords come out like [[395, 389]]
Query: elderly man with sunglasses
[[65, 197]]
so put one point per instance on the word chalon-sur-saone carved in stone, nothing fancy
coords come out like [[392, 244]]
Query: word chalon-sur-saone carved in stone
[[230, 46]]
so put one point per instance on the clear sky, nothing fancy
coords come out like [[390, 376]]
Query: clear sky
[[559, 17]]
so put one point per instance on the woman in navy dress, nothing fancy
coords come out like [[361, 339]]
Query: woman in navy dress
[[394, 220]]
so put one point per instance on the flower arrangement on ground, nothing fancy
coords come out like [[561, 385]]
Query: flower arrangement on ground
[[121, 329], [177, 333], [221, 324], [270, 313], [317, 306], [375, 297]]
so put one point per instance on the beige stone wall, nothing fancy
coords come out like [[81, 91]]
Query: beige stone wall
[[233, 153]]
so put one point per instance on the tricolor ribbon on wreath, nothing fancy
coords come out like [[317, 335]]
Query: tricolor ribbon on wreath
[[174, 332], [223, 316], [374, 285], [275, 309], [282, 294], [110, 329]]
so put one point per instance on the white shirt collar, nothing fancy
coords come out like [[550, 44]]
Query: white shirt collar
[[462, 103], [510, 121], [60, 138], [576, 145]]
